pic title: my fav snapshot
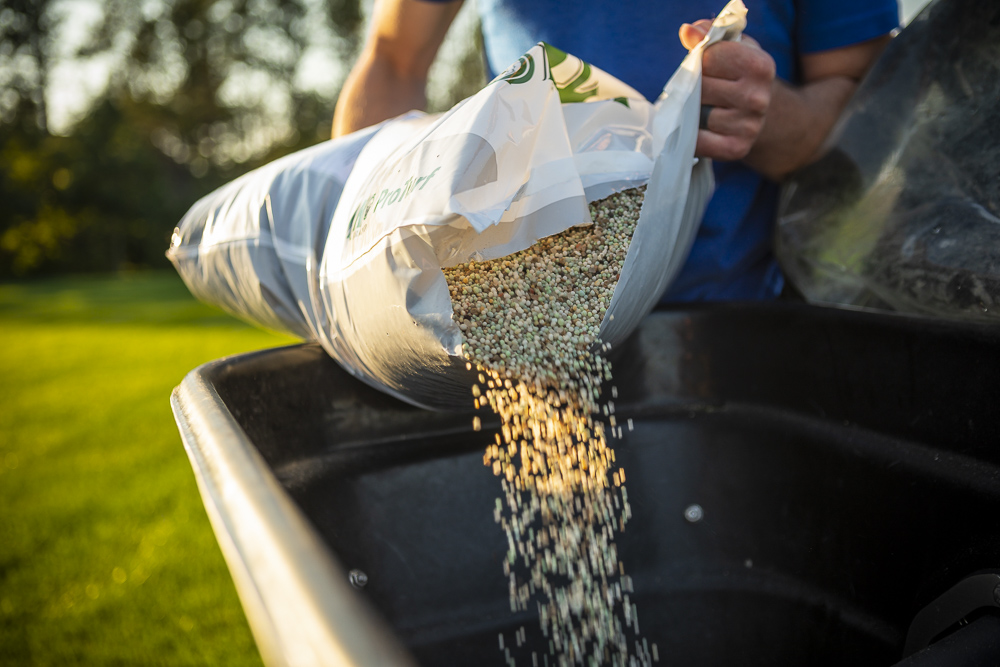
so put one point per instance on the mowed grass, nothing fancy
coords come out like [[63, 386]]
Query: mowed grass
[[106, 554]]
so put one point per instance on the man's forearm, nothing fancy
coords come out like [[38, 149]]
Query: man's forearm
[[797, 123], [799, 119], [375, 92], [390, 76], [770, 125]]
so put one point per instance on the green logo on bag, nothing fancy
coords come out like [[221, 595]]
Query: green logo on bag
[[581, 86], [384, 198], [519, 72], [574, 79]]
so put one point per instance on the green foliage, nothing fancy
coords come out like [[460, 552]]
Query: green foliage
[[97, 200], [106, 555], [203, 91], [25, 40], [199, 92]]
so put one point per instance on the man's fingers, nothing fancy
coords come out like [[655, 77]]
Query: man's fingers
[[737, 60], [692, 33], [738, 106], [733, 123], [736, 95], [721, 146]]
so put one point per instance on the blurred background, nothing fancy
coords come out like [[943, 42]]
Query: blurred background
[[115, 116]]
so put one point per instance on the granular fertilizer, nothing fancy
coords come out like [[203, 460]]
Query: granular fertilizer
[[530, 323]]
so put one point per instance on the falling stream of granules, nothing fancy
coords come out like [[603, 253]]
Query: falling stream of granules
[[530, 323]]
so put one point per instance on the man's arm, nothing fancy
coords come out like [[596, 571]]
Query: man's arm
[[772, 126], [800, 118], [390, 76]]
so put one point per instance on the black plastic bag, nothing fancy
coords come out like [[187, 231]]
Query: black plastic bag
[[903, 210]]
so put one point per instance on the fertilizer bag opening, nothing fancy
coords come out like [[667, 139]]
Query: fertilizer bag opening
[[344, 243]]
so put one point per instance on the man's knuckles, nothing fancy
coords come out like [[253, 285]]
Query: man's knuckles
[[756, 99], [736, 60], [726, 148], [732, 123]]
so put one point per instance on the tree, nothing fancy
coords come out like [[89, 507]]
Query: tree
[[24, 66], [201, 90], [213, 81]]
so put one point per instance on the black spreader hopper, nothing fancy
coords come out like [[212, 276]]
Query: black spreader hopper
[[809, 486]]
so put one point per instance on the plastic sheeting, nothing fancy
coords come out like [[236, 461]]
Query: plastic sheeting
[[903, 211]]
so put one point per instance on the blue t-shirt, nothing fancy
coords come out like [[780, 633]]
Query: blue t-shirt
[[636, 41]]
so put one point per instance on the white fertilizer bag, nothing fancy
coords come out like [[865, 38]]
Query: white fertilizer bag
[[344, 243]]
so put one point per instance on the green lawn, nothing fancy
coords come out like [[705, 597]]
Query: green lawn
[[106, 555]]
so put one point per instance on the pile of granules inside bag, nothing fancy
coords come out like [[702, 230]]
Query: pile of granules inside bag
[[530, 323]]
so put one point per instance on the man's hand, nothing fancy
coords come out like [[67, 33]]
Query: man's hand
[[773, 126], [736, 84]]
